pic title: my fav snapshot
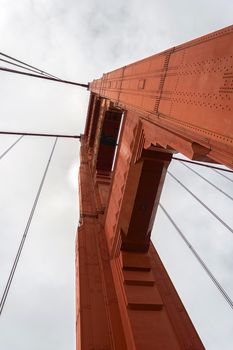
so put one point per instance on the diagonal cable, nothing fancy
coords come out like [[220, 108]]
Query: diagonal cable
[[199, 259], [202, 164], [202, 203], [28, 65], [39, 134], [9, 148], [9, 70], [208, 181], [10, 278], [24, 67]]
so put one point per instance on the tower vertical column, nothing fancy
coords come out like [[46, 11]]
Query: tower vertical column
[[125, 299]]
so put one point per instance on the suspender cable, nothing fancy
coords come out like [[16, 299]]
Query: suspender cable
[[209, 182], [43, 77], [202, 164], [203, 204], [10, 278], [226, 177], [9, 148], [28, 65], [39, 134], [199, 259]]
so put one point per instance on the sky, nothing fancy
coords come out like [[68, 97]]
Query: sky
[[80, 40]]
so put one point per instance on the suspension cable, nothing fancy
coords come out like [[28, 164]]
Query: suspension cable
[[28, 65], [226, 177], [10, 278], [9, 148], [202, 164], [24, 67], [202, 203], [208, 181], [199, 259], [4, 69], [39, 134]]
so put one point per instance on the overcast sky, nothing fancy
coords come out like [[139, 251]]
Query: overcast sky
[[80, 40]]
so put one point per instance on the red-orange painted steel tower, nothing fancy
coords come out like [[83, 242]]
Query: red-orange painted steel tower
[[138, 116]]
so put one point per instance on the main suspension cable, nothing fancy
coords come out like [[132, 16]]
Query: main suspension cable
[[202, 164], [28, 65], [9, 148], [208, 181], [4, 69], [202, 203], [10, 278], [199, 259], [39, 134]]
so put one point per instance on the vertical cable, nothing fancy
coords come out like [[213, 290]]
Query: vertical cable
[[226, 177], [202, 203], [10, 278], [8, 149], [208, 181], [201, 262]]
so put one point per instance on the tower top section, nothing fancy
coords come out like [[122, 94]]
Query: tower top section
[[186, 92]]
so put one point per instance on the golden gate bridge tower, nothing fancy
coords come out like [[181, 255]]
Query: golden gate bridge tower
[[139, 116]]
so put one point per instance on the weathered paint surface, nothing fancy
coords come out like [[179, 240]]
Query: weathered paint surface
[[138, 116]]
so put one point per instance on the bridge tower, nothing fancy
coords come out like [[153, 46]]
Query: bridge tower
[[179, 100]]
